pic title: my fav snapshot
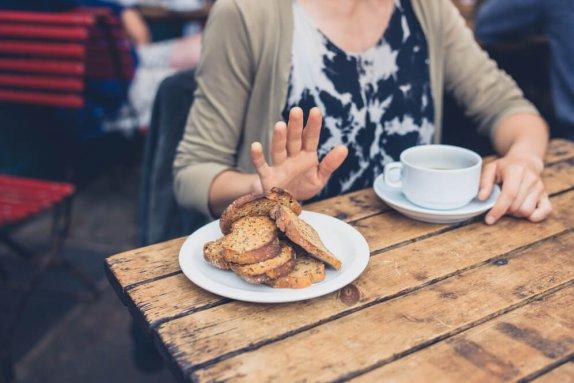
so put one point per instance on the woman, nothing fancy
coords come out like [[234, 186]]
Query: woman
[[377, 69]]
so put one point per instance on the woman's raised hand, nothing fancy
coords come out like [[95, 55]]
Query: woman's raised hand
[[295, 165]]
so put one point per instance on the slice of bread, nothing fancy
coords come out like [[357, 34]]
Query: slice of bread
[[271, 269], [306, 272], [252, 240], [213, 254], [302, 234], [255, 205]]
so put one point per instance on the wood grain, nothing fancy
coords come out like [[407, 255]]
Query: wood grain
[[146, 263], [409, 297], [350, 207], [561, 374], [242, 325], [558, 150], [379, 333], [175, 296], [153, 262], [509, 347]]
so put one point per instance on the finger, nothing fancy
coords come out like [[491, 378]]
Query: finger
[[294, 130], [278, 142], [543, 209], [526, 187], [331, 162], [258, 160], [530, 202], [312, 130], [487, 180], [510, 186]]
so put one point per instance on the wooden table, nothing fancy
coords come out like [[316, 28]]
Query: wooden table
[[465, 302]]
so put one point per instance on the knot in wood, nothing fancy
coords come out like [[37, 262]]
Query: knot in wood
[[349, 295]]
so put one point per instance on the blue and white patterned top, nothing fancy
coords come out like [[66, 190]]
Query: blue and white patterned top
[[377, 102]]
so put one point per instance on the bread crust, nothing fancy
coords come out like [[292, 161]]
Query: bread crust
[[294, 229], [267, 251], [255, 205], [306, 272], [213, 254], [252, 240], [270, 274], [266, 267]]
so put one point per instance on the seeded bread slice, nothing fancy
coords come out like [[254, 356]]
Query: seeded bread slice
[[256, 205], [271, 269], [302, 234], [306, 272], [252, 240], [213, 254]]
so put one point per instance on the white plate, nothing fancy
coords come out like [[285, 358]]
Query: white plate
[[344, 241], [395, 199]]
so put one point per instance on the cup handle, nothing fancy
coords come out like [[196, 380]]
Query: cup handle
[[392, 174]]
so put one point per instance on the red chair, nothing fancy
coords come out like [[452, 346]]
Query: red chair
[[45, 59]]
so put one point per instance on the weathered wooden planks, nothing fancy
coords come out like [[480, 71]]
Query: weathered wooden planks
[[137, 266], [397, 271], [153, 262], [561, 374], [443, 274], [146, 263], [350, 207], [558, 150], [510, 347], [340, 348], [174, 295]]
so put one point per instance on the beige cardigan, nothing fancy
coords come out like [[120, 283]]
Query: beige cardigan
[[243, 74]]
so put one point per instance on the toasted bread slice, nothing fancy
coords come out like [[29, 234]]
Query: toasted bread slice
[[302, 234], [252, 240], [213, 254], [271, 269], [256, 205], [306, 272]]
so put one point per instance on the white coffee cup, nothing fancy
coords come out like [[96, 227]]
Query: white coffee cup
[[438, 177]]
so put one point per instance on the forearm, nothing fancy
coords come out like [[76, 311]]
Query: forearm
[[522, 134], [228, 186]]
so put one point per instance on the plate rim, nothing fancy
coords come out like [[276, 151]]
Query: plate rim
[[281, 295]]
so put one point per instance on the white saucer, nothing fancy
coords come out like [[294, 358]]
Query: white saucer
[[395, 199]]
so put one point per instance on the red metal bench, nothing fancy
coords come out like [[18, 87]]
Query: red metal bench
[[45, 59]]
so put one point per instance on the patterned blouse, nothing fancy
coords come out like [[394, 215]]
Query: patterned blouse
[[377, 102]]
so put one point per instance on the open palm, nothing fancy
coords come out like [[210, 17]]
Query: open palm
[[295, 165]]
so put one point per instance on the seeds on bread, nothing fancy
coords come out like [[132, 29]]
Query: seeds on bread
[[256, 205], [303, 234], [269, 270], [251, 240], [213, 254], [306, 272]]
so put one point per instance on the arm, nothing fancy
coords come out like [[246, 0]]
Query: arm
[[493, 99], [499, 20], [208, 147], [204, 174]]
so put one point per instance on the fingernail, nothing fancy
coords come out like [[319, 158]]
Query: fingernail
[[489, 220]]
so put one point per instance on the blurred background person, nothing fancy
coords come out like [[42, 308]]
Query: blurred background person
[[501, 21]]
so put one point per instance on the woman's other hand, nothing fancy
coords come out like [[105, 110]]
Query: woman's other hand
[[523, 193], [295, 164]]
